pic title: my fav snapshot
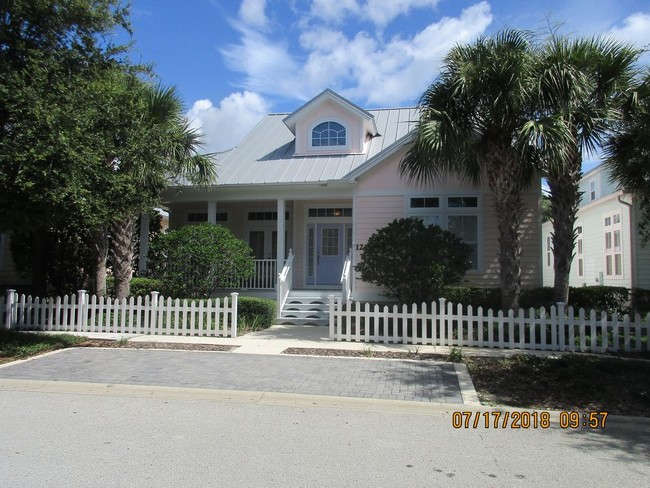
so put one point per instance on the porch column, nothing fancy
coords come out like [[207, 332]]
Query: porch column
[[212, 212], [281, 230], [144, 243]]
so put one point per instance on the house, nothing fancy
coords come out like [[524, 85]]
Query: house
[[608, 248], [319, 181]]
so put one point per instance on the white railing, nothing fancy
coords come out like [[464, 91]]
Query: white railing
[[264, 277], [285, 282], [346, 278], [149, 315], [440, 324]]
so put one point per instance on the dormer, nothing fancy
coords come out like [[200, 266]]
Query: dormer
[[330, 124]]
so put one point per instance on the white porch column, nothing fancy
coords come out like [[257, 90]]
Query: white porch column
[[212, 212], [281, 230], [144, 243]]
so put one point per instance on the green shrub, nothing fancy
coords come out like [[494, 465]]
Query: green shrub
[[141, 287], [640, 301], [196, 260], [610, 299], [255, 313], [474, 296], [413, 261]]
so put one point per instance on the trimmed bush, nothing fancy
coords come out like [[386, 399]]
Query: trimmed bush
[[610, 299], [474, 296], [141, 287], [640, 301], [413, 261], [255, 313]]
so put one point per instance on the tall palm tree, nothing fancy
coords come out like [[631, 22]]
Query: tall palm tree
[[477, 121], [583, 81], [628, 152], [162, 146]]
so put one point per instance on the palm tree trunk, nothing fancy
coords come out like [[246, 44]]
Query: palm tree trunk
[[505, 177], [99, 244], [565, 198], [122, 251]]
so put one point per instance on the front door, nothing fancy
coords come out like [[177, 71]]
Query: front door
[[330, 254]]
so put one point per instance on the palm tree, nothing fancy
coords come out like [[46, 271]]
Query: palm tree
[[161, 146], [476, 120], [583, 81], [628, 152]]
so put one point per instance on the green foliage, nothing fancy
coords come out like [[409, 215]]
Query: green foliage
[[141, 287], [474, 296], [16, 345], [413, 261], [255, 313], [610, 299], [640, 301], [196, 260], [456, 355]]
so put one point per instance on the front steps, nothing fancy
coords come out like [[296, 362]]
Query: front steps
[[307, 307]]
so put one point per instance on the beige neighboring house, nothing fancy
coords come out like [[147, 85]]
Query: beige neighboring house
[[319, 181], [608, 247]]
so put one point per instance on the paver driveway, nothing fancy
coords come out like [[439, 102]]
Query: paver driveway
[[364, 378]]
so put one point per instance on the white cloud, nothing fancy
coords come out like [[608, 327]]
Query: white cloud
[[635, 29], [225, 125], [251, 12], [379, 12], [363, 67]]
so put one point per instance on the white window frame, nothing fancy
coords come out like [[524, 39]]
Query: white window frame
[[593, 190], [580, 249], [549, 251], [329, 149], [610, 230], [443, 212]]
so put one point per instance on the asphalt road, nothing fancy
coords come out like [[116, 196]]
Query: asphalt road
[[55, 434]]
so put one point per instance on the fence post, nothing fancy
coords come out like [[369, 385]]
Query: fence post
[[81, 310], [561, 325], [154, 312], [9, 310], [233, 305], [441, 320]]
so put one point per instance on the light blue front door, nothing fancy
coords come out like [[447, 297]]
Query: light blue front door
[[330, 254]]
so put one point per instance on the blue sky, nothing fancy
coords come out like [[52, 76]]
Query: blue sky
[[234, 61]]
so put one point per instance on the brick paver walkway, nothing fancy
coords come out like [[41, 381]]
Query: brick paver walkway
[[349, 377]]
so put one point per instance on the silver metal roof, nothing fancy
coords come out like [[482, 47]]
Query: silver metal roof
[[266, 154]]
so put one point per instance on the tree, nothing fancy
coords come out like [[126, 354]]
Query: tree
[[413, 261], [52, 52], [583, 81], [157, 145], [628, 152], [477, 120], [196, 260]]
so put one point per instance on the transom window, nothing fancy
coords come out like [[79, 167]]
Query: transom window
[[330, 212], [328, 134], [197, 217]]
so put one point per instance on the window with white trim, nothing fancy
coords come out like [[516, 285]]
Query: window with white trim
[[458, 214], [579, 251], [593, 190], [199, 217], [549, 251], [613, 245], [329, 134]]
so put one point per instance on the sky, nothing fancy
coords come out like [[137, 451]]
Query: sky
[[235, 61]]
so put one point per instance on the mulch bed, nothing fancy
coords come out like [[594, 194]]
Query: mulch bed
[[365, 354], [155, 345]]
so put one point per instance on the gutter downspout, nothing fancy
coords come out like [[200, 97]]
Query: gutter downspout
[[633, 243]]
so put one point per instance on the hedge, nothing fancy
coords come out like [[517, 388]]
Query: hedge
[[255, 313]]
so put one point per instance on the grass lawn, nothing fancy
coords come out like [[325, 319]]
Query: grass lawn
[[19, 345], [574, 381]]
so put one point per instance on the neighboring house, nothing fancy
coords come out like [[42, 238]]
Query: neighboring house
[[329, 171], [608, 247]]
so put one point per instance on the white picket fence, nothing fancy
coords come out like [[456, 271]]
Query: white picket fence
[[149, 315], [443, 324]]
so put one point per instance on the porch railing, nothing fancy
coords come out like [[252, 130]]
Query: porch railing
[[285, 282], [346, 277], [265, 275]]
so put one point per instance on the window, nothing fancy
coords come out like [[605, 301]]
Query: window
[[198, 217], [330, 212], [266, 216], [458, 214], [330, 242], [592, 191], [549, 251], [579, 249], [613, 245], [328, 134]]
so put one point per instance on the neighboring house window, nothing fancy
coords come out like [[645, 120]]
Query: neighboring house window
[[330, 212], [579, 252], [266, 216], [613, 245], [593, 194], [328, 134], [458, 214], [549, 251]]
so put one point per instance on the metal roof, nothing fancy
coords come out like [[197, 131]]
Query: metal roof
[[266, 154]]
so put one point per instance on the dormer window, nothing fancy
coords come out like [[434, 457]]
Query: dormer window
[[329, 134]]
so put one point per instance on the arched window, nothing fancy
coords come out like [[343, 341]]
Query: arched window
[[328, 134]]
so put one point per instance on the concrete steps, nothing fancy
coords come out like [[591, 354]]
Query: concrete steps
[[304, 307]]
